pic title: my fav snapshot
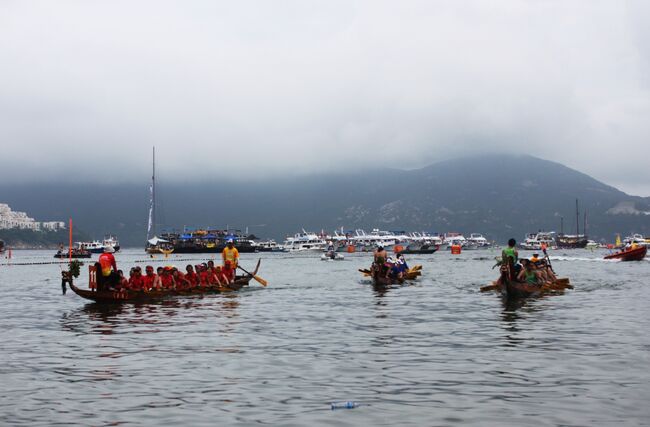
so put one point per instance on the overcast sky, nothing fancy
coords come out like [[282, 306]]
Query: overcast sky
[[261, 87]]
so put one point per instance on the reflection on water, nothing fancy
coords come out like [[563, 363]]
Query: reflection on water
[[437, 352]]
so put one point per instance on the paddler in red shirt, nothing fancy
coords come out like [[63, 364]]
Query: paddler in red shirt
[[228, 272], [223, 280], [192, 278], [204, 276], [136, 281], [180, 281], [149, 279], [166, 279]]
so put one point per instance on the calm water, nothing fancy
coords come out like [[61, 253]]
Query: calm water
[[435, 353]]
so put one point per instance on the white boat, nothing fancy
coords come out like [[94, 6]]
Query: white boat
[[97, 246], [455, 239], [635, 238], [477, 241], [269, 246], [305, 241], [592, 244], [368, 242], [534, 241]]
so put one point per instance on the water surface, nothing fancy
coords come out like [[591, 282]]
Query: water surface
[[437, 352]]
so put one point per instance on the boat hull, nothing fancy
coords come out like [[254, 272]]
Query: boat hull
[[139, 296], [74, 255], [636, 254], [422, 250]]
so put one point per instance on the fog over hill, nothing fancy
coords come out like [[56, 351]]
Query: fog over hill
[[499, 196]]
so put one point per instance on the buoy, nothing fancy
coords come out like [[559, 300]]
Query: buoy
[[351, 249], [398, 248], [455, 249]]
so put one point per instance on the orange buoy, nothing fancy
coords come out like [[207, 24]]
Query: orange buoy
[[455, 249], [351, 249], [398, 248]]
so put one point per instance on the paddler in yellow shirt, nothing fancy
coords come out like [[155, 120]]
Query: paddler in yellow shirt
[[230, 253]]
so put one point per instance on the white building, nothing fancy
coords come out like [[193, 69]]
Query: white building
[[13, 219]]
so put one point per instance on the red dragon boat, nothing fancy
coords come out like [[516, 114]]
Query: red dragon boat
[[108, 296]]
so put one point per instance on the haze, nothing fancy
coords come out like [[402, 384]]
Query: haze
[[253, 89]]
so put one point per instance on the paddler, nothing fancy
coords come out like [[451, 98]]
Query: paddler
[[534, 258], [230, 253], [511, 252], [228, 272], [528, 274], [380, 255]]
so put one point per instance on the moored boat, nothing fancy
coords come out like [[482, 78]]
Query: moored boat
[[631, 254], [75, 253]]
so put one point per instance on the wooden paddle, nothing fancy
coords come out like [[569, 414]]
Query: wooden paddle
[[255, 276], [548, 260]]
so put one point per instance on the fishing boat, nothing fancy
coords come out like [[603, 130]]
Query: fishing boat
[[631, 254], [108, 296]]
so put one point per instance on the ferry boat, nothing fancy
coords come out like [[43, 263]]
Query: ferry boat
[[305, 241], [97, 246], [534, 241]]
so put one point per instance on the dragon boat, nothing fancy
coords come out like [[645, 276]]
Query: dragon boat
[[510, 288], [115, 296]]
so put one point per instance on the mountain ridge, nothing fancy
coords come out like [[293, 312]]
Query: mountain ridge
[[500, 196]]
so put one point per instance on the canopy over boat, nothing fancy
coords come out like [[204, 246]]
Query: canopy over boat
[[156, 240]]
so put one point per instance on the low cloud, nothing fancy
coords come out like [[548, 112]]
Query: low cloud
[[264, 88]]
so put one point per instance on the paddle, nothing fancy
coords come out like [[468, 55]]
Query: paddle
[[548, 260], [255, 276]]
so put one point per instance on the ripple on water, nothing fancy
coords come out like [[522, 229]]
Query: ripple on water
[[437, 352]]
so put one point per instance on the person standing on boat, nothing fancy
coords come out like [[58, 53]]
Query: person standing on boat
[[230, 253], [510, 253], [109, 267]]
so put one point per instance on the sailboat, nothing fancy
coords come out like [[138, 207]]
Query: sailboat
[[576, 241], [155, 244]]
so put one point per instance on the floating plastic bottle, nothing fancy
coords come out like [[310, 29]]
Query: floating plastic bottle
[[344, 405]]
